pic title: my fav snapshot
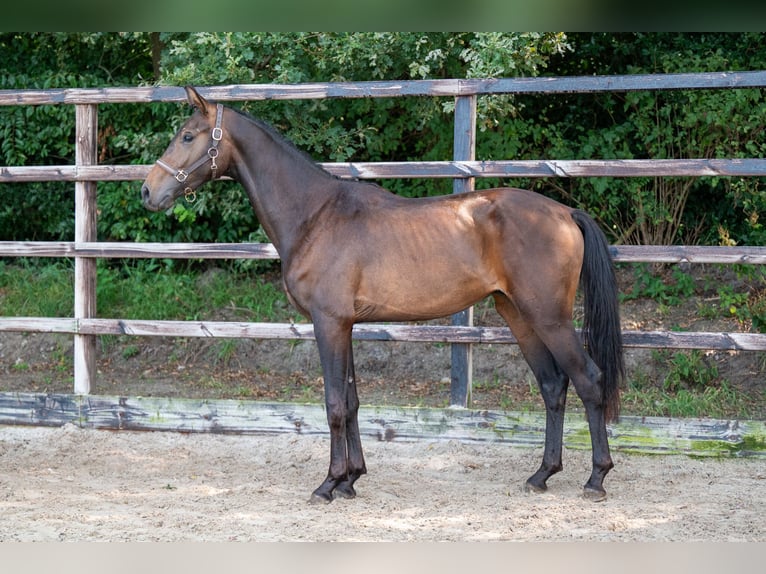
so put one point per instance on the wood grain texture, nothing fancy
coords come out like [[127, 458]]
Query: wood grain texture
[[698, 437], [434, 169], [388, 89]]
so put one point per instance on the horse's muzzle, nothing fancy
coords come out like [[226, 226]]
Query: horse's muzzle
[[146, 199]]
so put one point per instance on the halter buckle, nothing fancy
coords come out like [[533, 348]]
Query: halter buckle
[[181, 176], [217, 134]]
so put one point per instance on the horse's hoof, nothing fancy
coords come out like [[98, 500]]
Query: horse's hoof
[[534, 488], [344, 491], [320, 498], [594, 495]]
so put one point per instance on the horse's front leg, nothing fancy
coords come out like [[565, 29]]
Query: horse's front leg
[[356, 465], [334, 342]]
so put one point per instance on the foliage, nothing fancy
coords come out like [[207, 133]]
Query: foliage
[[364, 129], [657, 125], [688, 369], [653, 282], [744, 301], [646, 124]]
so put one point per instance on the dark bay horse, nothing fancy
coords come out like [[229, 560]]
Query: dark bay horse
[[352, 251]]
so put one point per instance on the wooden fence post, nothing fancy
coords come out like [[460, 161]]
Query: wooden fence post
[[86, 117], [464, 150]]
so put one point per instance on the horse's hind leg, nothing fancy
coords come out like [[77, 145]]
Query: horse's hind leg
[[553, 383], [586, 377]]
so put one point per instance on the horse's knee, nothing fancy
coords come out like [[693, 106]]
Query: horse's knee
[[337, 415]]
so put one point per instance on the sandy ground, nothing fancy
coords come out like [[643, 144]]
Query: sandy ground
[[70, 484]]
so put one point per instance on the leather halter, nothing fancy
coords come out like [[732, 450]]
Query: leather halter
[[212, 154]]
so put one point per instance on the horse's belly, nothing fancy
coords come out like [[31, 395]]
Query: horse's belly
[[412, 300]]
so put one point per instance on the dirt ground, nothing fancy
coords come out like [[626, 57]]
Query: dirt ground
[[70, 484]]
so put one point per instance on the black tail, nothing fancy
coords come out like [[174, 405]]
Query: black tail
[[601, 328]]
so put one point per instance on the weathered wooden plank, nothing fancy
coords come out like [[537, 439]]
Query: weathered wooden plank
[[688, 254], [30, 173], [436, 169], [38, 325], [85, 230], [138, 250], [695, 340], [387, 89], [550, 168], [218, 329], [362, 332], [189, 415], [37, 249], [179, 250], [39, 409], [620, 253], [236, 92], [698, 437], [464, 149], [26, 174], [620, 83]]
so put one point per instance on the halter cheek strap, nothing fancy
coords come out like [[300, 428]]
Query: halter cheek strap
[[212, 153]]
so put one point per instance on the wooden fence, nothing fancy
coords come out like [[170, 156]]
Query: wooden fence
[[85, 326]]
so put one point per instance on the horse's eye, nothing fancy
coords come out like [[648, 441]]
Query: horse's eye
[[187, 137]]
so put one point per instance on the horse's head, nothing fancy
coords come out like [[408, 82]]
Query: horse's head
[[192, 158]]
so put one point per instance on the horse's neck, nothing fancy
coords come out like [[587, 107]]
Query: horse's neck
[[284, 188]]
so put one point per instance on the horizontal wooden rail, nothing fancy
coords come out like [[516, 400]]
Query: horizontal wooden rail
[[620, 253], [389, 89], [362, 332], [652, 435], [436, 169], [138, 250]]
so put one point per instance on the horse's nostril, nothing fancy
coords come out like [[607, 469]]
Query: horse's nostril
[[144, 193]]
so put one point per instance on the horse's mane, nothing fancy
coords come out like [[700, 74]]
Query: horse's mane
[[288, 146]]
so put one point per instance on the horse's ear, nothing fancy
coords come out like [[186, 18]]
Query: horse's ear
[[196, 100]]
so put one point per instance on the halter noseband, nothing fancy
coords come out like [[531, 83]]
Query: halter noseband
[[212, 154]]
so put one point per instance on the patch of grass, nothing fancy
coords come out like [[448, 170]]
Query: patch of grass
[[29, 288], [689, 370], [718, 401], [130, 351], [690, 387], [225, 350], [21, 366], [32, 289], [213, 384], [489, 384], [146, 293]]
